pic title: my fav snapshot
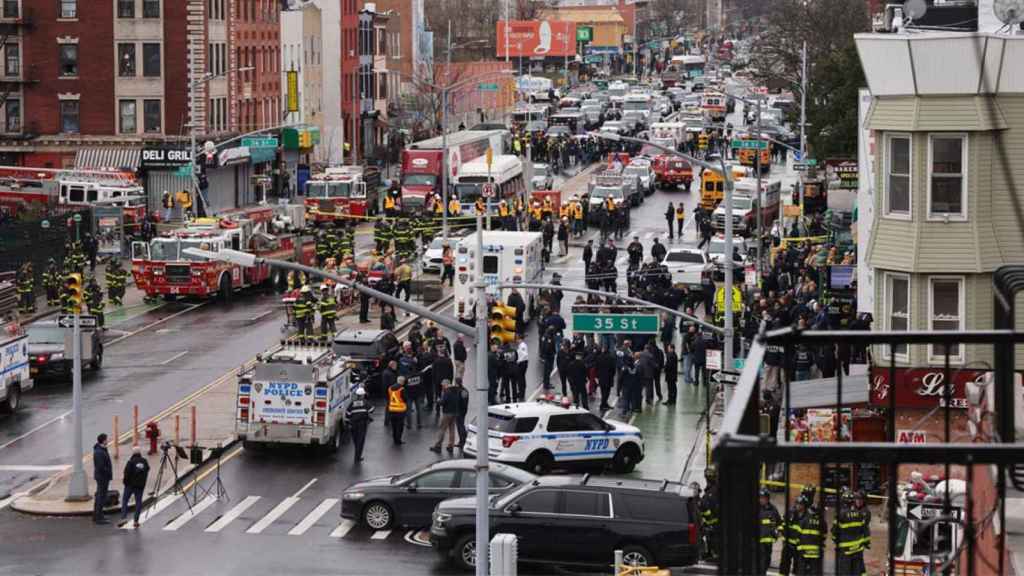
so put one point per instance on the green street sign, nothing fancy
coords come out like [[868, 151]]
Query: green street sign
[[616, 323], [487, 87], [183, 171], [259, 142], [77, 217], [584, 33], [811, 161], [750, 144]]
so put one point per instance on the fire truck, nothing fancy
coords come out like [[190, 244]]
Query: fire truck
[[162, 268], [341, 191], [25, 188]]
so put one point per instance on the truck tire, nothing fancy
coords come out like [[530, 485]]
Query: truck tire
[[13, 400], [224, 292], [336, 440], [97, 361]]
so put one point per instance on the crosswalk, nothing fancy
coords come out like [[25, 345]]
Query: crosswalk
[[257, 515]]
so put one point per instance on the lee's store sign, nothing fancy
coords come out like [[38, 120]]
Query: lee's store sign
[[921, 387]]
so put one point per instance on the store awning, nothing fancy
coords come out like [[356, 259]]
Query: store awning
[[821, 392], [108, 159], [230, 156]]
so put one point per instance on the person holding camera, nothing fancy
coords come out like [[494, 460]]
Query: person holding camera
[[136, 472]]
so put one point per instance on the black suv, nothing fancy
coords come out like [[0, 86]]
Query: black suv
[[369, 351], [653, 522]]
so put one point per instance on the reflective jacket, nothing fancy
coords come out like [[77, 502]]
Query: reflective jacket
[[852, 530], [396, 399], [770, 525], [791, 527], [812, 536]]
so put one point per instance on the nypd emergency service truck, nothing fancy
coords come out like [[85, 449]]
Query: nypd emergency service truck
[[294, 395], [543, 434], [14, 367]]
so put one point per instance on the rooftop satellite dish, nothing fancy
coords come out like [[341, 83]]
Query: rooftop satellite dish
[[1009, 12], [914, 9]]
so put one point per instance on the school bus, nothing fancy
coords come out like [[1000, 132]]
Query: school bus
[[712, 186]]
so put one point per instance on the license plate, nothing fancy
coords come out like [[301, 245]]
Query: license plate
[[33, 370]]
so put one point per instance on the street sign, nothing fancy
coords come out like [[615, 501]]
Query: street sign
[[584, 33], [487, 87], [750, 144], [259, 142], [616, 323], [68, 321], [488, 190], [183, 171], [800, 166], [77, 217], [811, 161], [45, 224], [725, 376], [713, 359]]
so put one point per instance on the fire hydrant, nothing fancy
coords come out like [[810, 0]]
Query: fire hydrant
[[153, 433]]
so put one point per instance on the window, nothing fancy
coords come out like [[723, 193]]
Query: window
[[644, 508], [897, 302], [945, 312], [126, 60], [12, 60], [126, 8], [128, 118], [69, 9], [946, 181], [150, 8], [151, 60], [151, 117], [897, 164], [12, 8], [441, 479], [69, 116], [12, 115], [563, 423], [68, 60], [539, 502], [587, 503]]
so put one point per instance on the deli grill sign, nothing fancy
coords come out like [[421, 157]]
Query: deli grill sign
[[155, 158], [921, 387]]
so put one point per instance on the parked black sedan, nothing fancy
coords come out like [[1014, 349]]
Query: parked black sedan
[[409, 499]]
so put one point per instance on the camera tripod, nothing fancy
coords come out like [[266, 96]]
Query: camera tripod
[[216, 487], [167, 462]]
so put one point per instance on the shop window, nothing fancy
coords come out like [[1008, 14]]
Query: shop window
[[947, 180], [897, 183], [946, 313]]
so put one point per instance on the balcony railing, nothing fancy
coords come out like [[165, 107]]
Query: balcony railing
[[973, 446]]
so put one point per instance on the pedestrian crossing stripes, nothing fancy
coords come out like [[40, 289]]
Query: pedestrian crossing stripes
[[312, 517], [274, 514], [344, 528], [161, 505], [196, 510], [232, 514]]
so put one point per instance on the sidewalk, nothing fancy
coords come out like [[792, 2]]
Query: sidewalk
[[133, 297], [213, 407]]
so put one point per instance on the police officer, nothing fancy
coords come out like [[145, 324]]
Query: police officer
[[770, 526], [328, 312], [116, 280], [359, 414], [636, 253], [812, 540], [26, 289], [709, 513], [94, 300], [51, 282], [302, 312], [396, 409], [852, 534]]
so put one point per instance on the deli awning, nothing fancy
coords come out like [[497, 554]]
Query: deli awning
[[108, 159]]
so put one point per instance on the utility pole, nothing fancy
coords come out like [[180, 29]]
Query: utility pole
[[482, 466], [728, 262], [803, 123], [192, 87], [761, 198], [78, 488], [508, 22], [444, 135]]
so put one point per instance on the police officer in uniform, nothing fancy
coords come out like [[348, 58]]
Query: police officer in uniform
[[770, 526], [364, 301], [359, 415], [709, 514], [116, 280], [26, 289], [328, 312], [852, 534]]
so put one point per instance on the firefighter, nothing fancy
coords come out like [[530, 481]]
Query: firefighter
[[323, 248], [790, 561], [770, 526], [577, 218], [381, 235], [94, 300], [812, 540], [51, 282], [709, 514], [116, 280], [404, 238], [328, 312], [26, 289], [347, 239], [302, 312], [852, 534]]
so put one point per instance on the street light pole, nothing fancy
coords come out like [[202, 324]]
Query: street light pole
[[803, 122], [761, 199], [78, 487], [482, 440], [444, 137]]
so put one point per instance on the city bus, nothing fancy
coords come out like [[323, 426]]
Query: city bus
[[506, 172]]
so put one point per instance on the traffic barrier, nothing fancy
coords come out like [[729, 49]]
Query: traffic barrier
[[135, 425], [117, 445]]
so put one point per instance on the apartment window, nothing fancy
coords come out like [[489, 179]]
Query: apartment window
[[126, 8], [126, 60], [127, 117], [69, 9], [68, 60], [69, 116], [897, 307], [382, 86], [947, 189], [12, 115], [897, 166], [151, 117], [151, 60], [12, 60], [945, 312], [150, 8], [12, 8]]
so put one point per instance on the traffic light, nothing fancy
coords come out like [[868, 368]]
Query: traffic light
[[74, 290], [702, 141], [503, 323]]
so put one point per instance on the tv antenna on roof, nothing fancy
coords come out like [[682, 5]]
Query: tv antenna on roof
[[1009, 12]]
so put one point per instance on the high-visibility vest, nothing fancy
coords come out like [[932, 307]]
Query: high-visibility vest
[[438, 208], [578, 211], [547, 205], [454, 207], [536, 212], [680, 213], [609, 204], [396, 403], [563, 212], [168, 201], [480, 207], [389, 202], [503, 210]]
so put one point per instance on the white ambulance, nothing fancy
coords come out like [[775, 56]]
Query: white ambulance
[[509, 257]]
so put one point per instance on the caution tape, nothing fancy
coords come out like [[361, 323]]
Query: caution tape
[[780, 484]]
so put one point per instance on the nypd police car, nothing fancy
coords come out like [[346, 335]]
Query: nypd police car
[[542, 434]]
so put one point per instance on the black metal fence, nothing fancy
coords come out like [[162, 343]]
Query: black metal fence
[[38, 240], [972, 436]]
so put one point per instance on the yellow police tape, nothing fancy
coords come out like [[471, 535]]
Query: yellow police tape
[[780, 484], [811, 239], [344, 215]]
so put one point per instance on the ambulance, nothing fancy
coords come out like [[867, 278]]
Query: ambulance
[[508, 257]]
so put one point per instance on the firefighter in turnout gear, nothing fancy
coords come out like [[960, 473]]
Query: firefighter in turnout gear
[[328, 312], [26, 287], [116, 280], [323, 247], [770, 526], [94, 300], [405, 239], [852, 534], [790, 562], [302, 311], [709, 514], [51, 283], [812, 540], [346, 240], [382, 235]]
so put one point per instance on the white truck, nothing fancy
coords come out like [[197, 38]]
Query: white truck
[[668, 134], [508, 257], [14, 367], [294, 395], [920, 544]]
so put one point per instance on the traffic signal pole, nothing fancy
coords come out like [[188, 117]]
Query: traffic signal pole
[[78, 488]]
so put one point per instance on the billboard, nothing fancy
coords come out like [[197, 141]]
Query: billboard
[[530, 38]]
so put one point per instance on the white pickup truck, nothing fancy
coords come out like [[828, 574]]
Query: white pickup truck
[[14, 368]]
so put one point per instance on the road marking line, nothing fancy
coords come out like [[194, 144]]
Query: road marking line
[[20, 468], [173, 358], [342, 529], [273, 515], [414, 537], [232, 514], [155, 323], [7, 501], [380, 534], [36, 429], [312, 517], [262, 316], [304, 488], [153, 510], [196, 509]]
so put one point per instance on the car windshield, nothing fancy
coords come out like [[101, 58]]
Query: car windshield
[[637, 171], [328, 189], [684, 257], [419, 180], [437, 243], [540, 170], [45, 335], [605, 192], [163, 250], [741, 203]]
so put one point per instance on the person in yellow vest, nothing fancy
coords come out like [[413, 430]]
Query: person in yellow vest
[[536, 212], [680, 219], [396, 409], [183, 200], [577, 217], [504, 215], [609, 204], [438, 209], [548, 209], [389, 205], [563, 211], [454, 207]]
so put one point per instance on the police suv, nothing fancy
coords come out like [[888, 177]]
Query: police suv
[[538, 435]]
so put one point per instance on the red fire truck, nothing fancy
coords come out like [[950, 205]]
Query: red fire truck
[[162, 268], [341, 191], [25, 188]]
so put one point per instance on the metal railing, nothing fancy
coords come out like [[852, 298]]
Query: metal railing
[[972, 435]]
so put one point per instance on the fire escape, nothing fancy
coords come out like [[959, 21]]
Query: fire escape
[[15, 22]]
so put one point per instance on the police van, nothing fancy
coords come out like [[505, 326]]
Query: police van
[[547, 432], [294, 395]]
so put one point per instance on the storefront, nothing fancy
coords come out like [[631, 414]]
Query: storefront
[[165, 168], [297, 144], [230, 180]]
